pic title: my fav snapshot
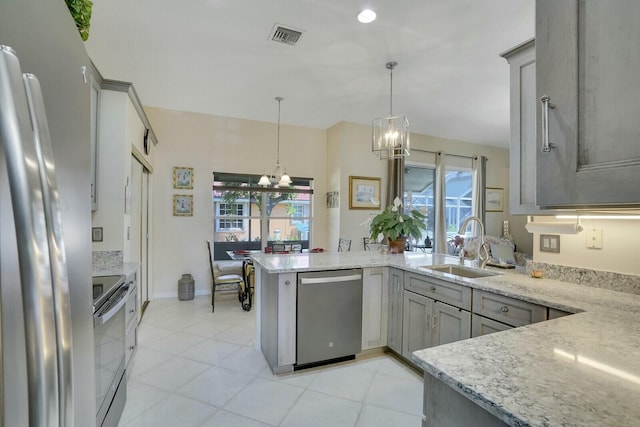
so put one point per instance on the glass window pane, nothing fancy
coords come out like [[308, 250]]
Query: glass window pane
[[239, 216]]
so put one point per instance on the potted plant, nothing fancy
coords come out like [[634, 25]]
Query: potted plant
[[396, 226]]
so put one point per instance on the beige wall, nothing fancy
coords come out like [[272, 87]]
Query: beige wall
[[213, 143], [618, 253], [349, 153]]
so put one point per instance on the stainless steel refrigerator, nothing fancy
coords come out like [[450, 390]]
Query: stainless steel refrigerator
[[45, 219]]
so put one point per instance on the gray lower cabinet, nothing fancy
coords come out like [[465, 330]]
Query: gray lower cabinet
[[484, 326], [587, 62], [445, 407], [439, 290], [396, 300], [510, 311], [428, 323], [554, 313]]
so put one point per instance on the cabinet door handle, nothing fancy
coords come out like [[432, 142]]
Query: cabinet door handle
[[546, 143], [504, 309], [432, 288], [434, 319], [287, 282]]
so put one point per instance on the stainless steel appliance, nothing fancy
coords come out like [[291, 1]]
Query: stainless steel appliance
[[45, 249], [109, 299], [329, 316]]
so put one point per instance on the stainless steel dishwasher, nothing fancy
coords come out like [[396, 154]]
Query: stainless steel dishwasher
[[329, 316]]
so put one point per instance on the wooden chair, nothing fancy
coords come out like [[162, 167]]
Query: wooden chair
[[220, 278], [249, 279], [344, 245]]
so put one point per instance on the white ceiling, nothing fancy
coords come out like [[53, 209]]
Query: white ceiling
[[214, 56]]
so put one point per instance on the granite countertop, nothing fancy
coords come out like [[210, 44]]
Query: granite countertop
[[578, 370], [124, 269]]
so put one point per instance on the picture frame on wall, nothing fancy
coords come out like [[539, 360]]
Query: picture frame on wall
[[494, 199], [333, 199], [364, 192], [182, 178], [182, 205]]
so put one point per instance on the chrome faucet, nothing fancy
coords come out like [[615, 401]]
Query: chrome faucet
[[483, 251]]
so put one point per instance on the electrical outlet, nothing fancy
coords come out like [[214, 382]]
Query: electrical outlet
[[550, 243], [594, 238]]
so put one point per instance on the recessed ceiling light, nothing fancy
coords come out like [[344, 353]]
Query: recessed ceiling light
[[367, 16]]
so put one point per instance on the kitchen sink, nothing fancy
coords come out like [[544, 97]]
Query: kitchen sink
[[459, 270]]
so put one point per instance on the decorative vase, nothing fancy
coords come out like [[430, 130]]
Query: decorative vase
[[397, 246], [186, 287]]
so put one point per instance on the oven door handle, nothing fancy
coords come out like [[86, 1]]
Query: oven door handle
[[105, 317]]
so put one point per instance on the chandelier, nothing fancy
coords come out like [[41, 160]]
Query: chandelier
[[278, 177], [390, 135]]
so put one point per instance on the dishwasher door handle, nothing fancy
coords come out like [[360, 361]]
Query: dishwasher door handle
[[317, 280]]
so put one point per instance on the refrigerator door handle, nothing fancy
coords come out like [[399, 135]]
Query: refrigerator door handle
[[17, 143], [57, 256]]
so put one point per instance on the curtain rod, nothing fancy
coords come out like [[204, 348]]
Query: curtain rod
[[448, 154]]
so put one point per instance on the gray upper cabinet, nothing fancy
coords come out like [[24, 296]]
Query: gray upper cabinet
[[587, 62], [523, 148]]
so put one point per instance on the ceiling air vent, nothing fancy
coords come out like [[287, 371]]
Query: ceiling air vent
[[286, 35]]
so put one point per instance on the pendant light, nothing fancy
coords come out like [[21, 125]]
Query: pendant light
[[279, 177], [390, 135]]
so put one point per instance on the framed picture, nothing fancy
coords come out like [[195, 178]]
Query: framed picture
[[364, 192], [333, 199], [96, 234], [182, 205], [182, 178], [494, 199]]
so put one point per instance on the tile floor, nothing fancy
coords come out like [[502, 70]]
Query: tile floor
[[195, 368]]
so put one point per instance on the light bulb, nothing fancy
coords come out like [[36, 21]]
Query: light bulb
[[367, 16], [264, 181]]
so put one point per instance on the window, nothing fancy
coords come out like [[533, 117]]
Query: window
[[419, 182], [250, 217], [231, 210]]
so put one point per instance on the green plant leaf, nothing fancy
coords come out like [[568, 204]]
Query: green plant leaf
[[81, 12]]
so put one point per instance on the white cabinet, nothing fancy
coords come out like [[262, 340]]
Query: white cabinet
[[375, 300], [396, 300], [587, 63], [95, 120], [523, 149], [131, 318]]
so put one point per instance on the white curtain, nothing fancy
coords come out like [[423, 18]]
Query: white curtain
[[479, 168], [439, 203]]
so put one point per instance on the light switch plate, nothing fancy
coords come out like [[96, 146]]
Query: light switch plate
[[550, 243], [594, 238]]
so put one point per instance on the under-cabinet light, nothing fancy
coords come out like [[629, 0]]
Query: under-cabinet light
[[636, 217]]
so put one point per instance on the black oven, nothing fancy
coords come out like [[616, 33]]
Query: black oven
[[109, 297]]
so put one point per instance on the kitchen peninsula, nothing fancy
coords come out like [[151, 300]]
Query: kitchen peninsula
[[576, 370]]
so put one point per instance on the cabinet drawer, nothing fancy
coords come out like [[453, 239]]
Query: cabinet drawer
[[554, 313], [131, 344], [440, 290], [131, 308], [507, 310], [484, 326]]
